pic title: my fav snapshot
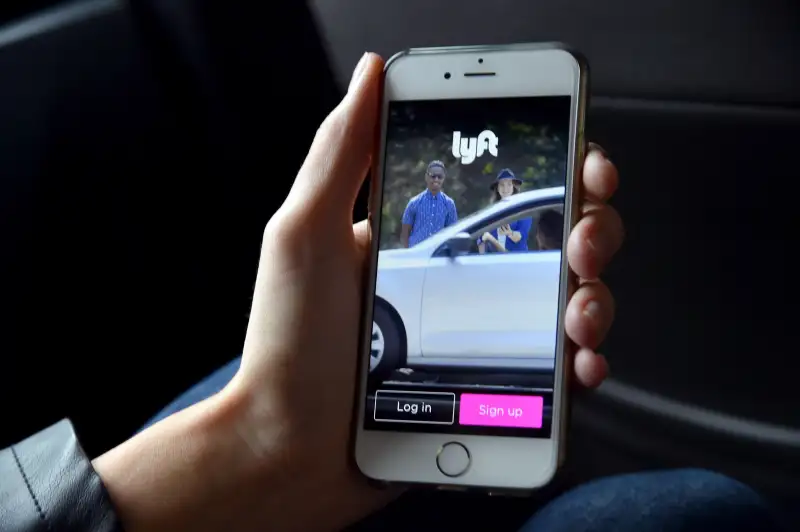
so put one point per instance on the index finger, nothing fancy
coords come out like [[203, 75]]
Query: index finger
[[600, 176]]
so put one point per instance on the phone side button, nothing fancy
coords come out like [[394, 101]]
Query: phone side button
[[453, 459]]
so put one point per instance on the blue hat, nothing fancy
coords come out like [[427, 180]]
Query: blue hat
[[505, 173]]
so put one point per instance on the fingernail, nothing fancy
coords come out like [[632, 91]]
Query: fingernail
[[359, 70], [593, 146], [592, 310]]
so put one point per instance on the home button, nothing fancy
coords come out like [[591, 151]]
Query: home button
[[453, 459]]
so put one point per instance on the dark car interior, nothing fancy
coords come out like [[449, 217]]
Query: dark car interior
[[145, 144]]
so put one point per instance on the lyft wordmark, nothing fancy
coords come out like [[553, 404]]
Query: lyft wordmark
[[469, 149]]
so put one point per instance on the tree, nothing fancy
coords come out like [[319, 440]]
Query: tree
[[535, 153]]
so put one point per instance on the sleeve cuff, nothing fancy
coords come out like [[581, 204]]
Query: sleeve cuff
[[49, 484]]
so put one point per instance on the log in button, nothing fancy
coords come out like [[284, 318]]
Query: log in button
[[432, 408]]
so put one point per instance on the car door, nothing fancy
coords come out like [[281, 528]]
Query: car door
[[494, 305]]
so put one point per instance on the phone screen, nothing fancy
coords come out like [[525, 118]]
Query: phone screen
[[465, 313]]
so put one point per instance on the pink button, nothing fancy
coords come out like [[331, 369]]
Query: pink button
[[522, 411]]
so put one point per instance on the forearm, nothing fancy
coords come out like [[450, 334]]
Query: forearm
[[179, 474], [496, 243]]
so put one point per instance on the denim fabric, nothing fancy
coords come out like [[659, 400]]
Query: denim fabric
[[685, 500]]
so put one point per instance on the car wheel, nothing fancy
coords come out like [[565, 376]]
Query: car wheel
[[384, 356]]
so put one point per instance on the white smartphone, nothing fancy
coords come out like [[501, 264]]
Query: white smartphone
[[462, 367]]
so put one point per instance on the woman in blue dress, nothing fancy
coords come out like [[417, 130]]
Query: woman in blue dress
[[511, 237]]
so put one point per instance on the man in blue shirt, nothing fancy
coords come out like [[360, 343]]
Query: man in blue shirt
[[430, 211]]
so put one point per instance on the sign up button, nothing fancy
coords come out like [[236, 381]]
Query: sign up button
[[433, 408], [519, 411]]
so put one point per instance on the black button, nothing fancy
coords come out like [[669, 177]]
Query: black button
[[395, 406]]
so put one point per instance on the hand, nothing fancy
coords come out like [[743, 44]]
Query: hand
[[594, 240], [505, 230], [487, 237], [303, 383], [271, 451], [302, 340], [300, 352]]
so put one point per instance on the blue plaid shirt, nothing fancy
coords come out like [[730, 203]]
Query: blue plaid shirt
[[427, 214]]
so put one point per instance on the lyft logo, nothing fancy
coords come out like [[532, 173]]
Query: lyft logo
[[469, 149]]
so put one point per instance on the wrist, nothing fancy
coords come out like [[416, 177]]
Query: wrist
[[191, 471]]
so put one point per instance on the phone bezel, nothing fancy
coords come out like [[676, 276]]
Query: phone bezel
[[499, 464]]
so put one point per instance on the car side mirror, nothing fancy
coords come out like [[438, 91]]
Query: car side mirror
[[461, 244]]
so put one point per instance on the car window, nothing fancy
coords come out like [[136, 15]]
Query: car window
[[532, 213], [533, 243]]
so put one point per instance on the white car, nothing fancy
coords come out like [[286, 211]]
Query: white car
[[442, 304]]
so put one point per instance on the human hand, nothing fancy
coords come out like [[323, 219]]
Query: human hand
[[271, 451], [298, 371], [306, 381], [593, 242], [487, 237], [302, 341], [505, 230]]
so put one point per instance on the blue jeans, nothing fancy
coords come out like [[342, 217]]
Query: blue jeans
[[685, 500]]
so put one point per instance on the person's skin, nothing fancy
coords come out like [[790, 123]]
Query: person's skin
[[272, 450], [513, 235], [434, 180], [489, 237], [505, 188]]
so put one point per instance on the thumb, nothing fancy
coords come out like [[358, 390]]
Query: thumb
[[337, 163]]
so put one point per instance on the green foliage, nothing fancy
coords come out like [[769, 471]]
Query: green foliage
[[534, 153]]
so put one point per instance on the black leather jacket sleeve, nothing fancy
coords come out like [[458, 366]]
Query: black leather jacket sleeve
[[48, 484]]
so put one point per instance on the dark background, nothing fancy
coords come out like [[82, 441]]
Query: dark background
[[135, 182], [533, 138]]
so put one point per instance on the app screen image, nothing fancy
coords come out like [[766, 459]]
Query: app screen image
[[465, 315]]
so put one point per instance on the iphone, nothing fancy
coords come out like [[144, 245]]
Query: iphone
[[462, 379]]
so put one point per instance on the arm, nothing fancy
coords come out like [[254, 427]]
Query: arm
[[234, 462], [405, 232], [408, 222], [175, 475], [452, 214], [521, 229], [488, 237]]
